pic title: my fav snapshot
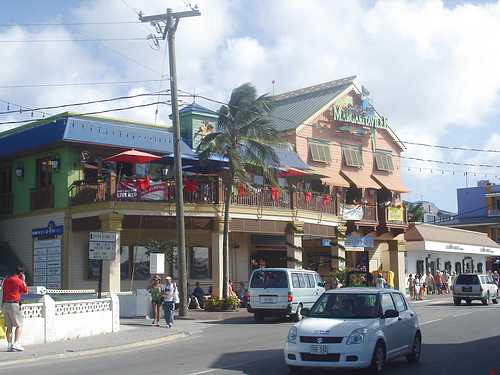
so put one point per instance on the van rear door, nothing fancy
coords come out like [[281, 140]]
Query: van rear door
[[269, 289]]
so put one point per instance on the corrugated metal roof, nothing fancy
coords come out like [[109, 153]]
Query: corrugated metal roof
[[291, 109], [196, 108], [290, 159], [88, 130]]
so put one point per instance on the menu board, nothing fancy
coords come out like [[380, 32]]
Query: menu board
[[47, 265]]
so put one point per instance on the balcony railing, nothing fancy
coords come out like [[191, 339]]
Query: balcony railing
[[42, 198], [201, 192], [6, 200], [494, 212]]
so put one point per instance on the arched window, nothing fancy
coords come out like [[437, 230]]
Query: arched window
[[458, 268], [480, 267], [447, 266]]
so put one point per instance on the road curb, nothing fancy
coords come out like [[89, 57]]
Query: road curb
[[102, 350]]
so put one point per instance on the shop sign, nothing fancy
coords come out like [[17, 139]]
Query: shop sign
[[486, 250], [359, 242], [326, 242], [395, 214], [345, 114], [352, 212], [453, 247], [51, 230], [103, 245]]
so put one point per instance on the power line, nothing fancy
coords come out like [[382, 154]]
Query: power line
[[33, 41], [62, 84], [457, 148], [90, 113], [22, 108], [69, 23], [160, 93]]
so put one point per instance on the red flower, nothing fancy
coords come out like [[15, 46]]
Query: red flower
[[242, 190], [190, 186], [326, 200], [275, 193], [308, 196]]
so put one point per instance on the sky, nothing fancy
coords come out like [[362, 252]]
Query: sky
[[431, 66]]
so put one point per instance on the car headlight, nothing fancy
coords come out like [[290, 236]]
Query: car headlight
[[357, 336], [292, 335]]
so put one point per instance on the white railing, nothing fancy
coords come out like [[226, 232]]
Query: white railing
[[82, 307], [32, 310], [494, 212], [51, 321]]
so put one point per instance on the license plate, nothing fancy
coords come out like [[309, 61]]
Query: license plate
[[466, 289], [267, 299], [321, 349]]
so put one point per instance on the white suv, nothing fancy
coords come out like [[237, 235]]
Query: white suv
[[471, 286], [354, 328]]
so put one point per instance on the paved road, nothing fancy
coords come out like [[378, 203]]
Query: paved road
[[457, 340]]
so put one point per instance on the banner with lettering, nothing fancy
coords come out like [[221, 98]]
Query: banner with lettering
[[155, 192], [352, 212], [395, 214]]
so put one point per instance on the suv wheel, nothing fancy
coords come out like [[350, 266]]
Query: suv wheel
[[378, 360], [457, 301], [259, 318], [486, 300], [297, 317], [416, 350]]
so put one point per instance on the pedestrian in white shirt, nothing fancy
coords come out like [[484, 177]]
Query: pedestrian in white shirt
[[168, 293]]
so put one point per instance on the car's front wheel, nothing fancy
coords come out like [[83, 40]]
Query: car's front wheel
[[414, 356], [378, 360]]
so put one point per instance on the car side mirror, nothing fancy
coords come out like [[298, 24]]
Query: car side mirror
[[305, 312], [390, 314], [321, 284]]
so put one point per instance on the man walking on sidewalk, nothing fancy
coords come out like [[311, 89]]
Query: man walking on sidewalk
[[12, 290], [168, 301]]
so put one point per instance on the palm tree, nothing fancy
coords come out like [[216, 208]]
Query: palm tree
[[244, 137]]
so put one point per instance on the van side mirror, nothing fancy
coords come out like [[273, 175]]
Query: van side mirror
[[390, 314], [305, 312]]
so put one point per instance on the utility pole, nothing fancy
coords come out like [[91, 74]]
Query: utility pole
[[171, 21]]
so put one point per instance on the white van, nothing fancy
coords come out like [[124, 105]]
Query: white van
[[282, 292]]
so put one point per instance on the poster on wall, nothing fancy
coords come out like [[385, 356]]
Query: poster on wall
[[126, 190], [200, 263], [47, 267]]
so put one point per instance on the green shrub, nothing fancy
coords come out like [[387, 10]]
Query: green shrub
[[232, 303], [213, 304]]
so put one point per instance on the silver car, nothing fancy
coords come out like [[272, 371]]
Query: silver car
[[471, 286]]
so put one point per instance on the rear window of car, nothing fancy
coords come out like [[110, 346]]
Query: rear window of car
[[467, 280], [269, 279]]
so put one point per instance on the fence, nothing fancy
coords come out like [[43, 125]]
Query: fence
[[51, 321]]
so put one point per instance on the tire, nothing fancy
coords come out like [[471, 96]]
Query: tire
[[297, 317], [495, 301], [378, 360], [416, 351], [486, 301], [457, 301], [259, 318], [294, 370], [468, 302]]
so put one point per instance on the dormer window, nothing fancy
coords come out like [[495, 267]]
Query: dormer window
[[319, 151], [383, 161]]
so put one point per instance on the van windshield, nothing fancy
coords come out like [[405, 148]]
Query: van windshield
[[269, 279]]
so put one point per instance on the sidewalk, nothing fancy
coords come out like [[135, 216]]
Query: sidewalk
[[434, 298], [134, 333]]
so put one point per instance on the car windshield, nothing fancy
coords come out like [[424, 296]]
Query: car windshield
[[269, 279], [345, 306], [467, 280]]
